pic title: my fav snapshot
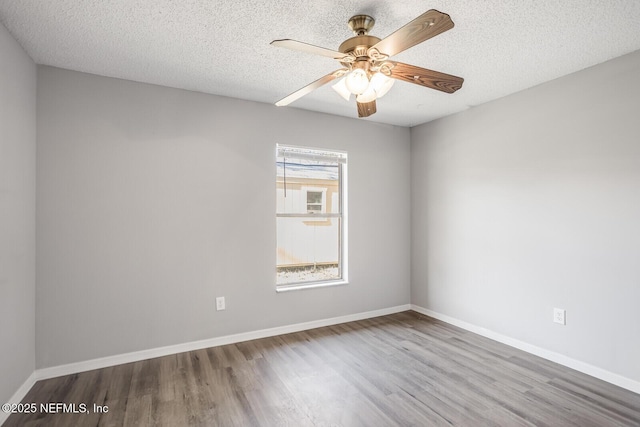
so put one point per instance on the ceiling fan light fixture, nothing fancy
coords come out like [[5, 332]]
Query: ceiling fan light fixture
[[381, 84], [357, 81], [341, 89]]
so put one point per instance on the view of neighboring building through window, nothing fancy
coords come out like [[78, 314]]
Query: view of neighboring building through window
[[314, 201], [309, 215]]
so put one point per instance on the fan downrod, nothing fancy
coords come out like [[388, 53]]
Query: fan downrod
[[361, 24]]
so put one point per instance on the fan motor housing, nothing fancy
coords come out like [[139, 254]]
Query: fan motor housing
[[358, 45]]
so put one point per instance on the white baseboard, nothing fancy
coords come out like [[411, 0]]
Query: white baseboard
[[19, 395], [103, 362], [561, 359]]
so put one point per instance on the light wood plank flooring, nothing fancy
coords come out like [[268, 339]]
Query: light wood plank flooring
[[402, 369]]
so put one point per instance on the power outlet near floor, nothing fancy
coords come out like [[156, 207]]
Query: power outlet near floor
[[560, 316], [220, 304]]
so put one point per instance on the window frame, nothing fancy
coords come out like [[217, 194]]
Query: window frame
[[340, 157]]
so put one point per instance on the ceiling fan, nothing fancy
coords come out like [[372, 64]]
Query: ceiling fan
[[368, 73]]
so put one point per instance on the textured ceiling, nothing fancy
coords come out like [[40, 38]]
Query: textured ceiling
[[222, 47]]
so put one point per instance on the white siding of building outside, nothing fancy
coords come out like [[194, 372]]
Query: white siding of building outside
[[304, 241]]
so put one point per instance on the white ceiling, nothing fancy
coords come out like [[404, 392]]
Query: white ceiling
[[222, 47]]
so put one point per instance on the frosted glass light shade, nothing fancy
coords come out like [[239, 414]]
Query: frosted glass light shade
[[341, 88], [381, 84], [357, 81], [367, 96]]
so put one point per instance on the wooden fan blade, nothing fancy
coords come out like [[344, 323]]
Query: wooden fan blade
[[428, 78], [311, 87], [308, 48], [425, 26], [365, 109]]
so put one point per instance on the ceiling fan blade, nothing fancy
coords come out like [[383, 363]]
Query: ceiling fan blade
[[308, 48], [311, 87], [428, 78], [425, 26], [365, 109]]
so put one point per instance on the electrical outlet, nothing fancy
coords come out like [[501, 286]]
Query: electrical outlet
[[220, 305], [559, 316]]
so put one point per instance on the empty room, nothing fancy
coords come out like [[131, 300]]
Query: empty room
[[361, 213]]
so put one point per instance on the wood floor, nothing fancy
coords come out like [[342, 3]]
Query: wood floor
[[402, 369]]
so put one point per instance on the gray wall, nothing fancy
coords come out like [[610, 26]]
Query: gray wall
[[17, 215], [532, 202], [153, 201]]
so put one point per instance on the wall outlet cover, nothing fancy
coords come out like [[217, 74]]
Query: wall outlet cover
[[559, 316]]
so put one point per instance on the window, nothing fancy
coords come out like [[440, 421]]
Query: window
[[310, 217], [315, 202]]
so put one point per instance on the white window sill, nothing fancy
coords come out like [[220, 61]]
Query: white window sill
[[301, 286]]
